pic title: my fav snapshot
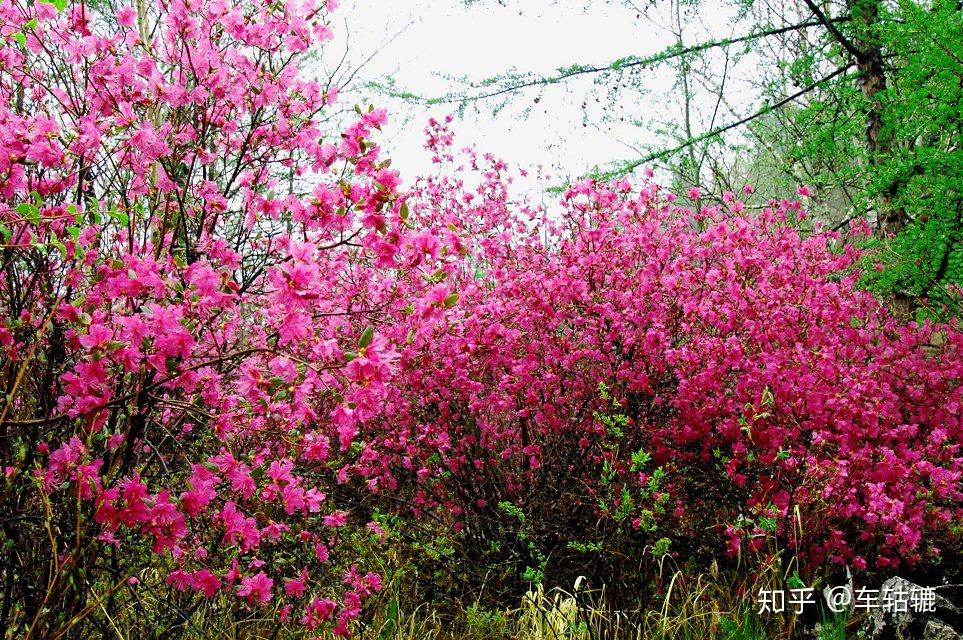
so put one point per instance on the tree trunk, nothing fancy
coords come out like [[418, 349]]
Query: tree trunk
[[890, 219]]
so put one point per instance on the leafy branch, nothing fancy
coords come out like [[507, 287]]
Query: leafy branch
[[768, 108], [565, 73]]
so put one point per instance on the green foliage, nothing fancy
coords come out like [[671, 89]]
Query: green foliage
[[485, 623], [746, 629], [512, 510], [834, 628], [916, 171]]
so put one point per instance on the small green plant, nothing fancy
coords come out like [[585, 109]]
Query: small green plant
[[512, 510], [486, 623], [746, 629], [834, 628]]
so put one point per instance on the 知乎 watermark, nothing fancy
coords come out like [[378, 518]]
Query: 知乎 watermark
[[890, 599]]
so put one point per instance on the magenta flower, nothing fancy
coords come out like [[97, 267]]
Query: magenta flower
[[256, 587]]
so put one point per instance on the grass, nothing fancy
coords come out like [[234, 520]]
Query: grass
[[689, 606], [693, 609]]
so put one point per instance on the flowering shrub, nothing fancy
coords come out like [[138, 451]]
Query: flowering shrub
[[226, 335], [193, 269], [629, 373]]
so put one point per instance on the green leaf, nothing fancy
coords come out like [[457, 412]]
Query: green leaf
[[767, 397], [451, 300], [19, 37], [404, 211], [29, 212], [366, 337], [60, 247], [120, 216]]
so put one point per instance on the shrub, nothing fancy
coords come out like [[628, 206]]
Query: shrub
[[627, 374], [232, 347], [193, 266]]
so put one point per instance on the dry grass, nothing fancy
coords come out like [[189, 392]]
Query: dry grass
[[691, 607]]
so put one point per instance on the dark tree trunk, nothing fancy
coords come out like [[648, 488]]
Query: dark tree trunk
[[891, 219]]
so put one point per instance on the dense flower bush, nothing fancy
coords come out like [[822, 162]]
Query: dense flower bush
[[227, 336], [629, 373], [188, 254]]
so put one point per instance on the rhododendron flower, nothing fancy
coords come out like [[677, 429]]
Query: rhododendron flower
[[336, 519], [97, 336], [180, 580], [256, 587], [206, 582], [317, 612], [126, 16], [295, 587]]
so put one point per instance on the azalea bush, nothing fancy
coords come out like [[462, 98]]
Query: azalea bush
[[237, 356], [194, 263], [627, 377]]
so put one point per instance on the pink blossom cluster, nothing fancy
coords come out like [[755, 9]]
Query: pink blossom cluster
[[194, 267], [224, 329], [760, 380]]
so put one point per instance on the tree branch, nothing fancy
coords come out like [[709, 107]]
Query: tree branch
[[668, 54], [843, 40], [738, 123]]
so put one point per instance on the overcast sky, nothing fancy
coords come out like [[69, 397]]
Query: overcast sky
[[422, 43]]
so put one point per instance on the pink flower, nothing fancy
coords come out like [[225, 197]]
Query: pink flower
[[336, 519], [126, 16], [256, 587], [179, 579], [376, 118], [97, 336], [317, 612], [206, 582], [295, 587]]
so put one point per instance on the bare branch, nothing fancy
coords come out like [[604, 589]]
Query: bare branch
[[738, 123], [668, 54]]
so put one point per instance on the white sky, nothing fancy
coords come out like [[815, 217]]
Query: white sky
[[418, 42]]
